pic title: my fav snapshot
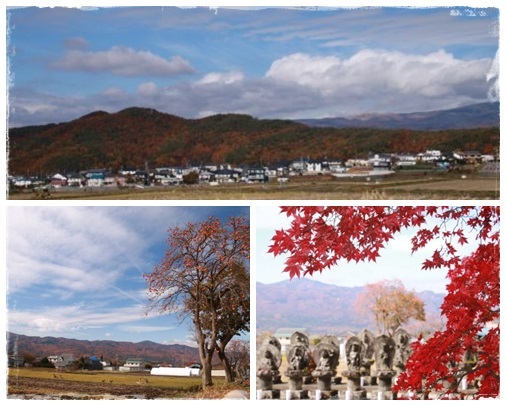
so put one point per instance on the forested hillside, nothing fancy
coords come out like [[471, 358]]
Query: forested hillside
[[136, 136]]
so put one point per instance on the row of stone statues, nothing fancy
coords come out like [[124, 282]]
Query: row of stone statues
[[388, 354]]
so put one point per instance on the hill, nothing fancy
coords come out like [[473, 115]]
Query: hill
[[110, 350], [136, 136], [320, 307], [473, 116]]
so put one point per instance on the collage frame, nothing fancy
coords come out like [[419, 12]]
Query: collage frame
[[27, 216]]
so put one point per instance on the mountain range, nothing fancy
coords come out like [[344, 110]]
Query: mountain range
[[136, 137], [473, 116], [321, 308], [39, 347]]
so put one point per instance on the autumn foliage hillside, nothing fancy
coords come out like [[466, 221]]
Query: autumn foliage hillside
[[134, 136]]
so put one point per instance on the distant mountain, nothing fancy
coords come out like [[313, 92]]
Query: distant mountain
[[319, 307], [137, 136], [473, 116], [40, 347]]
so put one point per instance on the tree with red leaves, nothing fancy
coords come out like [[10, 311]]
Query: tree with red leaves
[[319, 237], [204, 276], [389, 305]]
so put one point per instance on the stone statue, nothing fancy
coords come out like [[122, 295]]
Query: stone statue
[[298, 361], [384, 352], [402, 349], [298, 338], [367, 339], [326, 356], [354, 349], [272, 340], [268, 361]]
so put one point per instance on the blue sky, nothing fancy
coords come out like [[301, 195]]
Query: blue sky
[[270, 63], [76, 272], [395, 261]]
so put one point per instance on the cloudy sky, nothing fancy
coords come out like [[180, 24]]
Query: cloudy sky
[[270, 63], [395, 262], [76, 272]]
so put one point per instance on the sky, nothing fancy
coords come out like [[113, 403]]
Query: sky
[[76, 271], [395, 261], [271, 62]]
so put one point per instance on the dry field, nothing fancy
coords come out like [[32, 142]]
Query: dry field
[[432, 186], [34, 383]]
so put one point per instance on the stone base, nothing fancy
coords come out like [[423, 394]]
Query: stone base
[[388, 395], [269, 394], [325, 394], [295, 395], [360, 394]]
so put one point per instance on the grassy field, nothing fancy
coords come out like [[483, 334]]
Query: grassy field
[[422, 186], [96, 384]]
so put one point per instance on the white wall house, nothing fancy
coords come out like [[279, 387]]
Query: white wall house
[[133, 364]]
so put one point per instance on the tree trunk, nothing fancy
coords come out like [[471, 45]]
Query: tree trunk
[[206, 358], [226, 365]]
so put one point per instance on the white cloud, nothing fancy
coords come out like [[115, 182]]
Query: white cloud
[[144, 329], [147, 89], [123, 61], [76, 43], [68, 247], [225, 78], [375, 73], [294, 87], [62, 319]]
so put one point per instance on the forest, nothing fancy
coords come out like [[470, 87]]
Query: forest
[[137, 136]]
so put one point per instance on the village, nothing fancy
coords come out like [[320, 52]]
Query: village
[[67, 362], [211, 174]]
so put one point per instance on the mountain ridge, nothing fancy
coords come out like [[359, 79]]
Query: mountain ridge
[[470, 116], [136, 136], [322, 308], [176, 354]]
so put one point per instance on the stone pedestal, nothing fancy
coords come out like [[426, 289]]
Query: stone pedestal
[[385, 380], [381, 395], [268, 394], [294, 395], [323, 381], [294, 380], [324, 394], [360, 394], [264, 381], [353, 380]]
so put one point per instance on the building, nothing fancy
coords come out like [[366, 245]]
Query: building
[[133, 364]]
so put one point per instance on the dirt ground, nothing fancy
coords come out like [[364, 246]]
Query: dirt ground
[[36, 388]]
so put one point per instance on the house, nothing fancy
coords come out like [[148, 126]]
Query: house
[[95, 177], [92, 363], [63, 361], [313, 167], [406, 160], [133, 364], [256, 174], [58, 181], [110, 179], [332, 166], [467, 157], [356, 162], [225, 175], [380, 161], [429, 156], [74, 180]]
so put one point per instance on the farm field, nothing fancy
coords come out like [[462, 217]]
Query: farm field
[[34, 383], [423, 186]]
